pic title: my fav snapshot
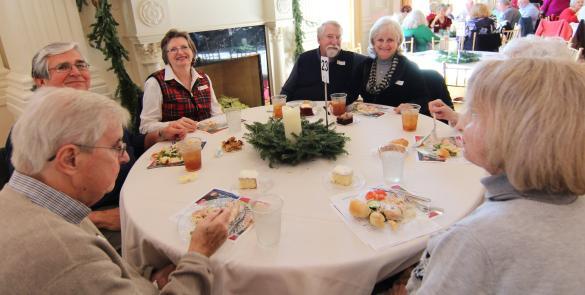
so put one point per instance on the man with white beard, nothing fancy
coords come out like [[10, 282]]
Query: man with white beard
[[305, 82]]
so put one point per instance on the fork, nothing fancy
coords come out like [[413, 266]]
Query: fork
[[432, 135], [406, 194]]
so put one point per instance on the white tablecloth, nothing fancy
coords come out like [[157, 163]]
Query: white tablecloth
[[318, 254], [428, 59]]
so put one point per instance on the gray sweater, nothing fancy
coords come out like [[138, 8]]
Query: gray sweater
[[514, 243], [44, 254]]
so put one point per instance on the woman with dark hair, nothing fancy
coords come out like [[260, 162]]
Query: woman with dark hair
[[178, 93]]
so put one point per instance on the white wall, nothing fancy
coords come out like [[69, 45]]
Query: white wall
[[192, 15]]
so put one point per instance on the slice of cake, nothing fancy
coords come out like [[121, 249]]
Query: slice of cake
[[345, 119], [342, 175], [306, 108], [248, 179]]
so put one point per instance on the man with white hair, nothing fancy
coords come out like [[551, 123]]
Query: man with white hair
[[508, 16], [305, 81], [61, 64], [64, 164]]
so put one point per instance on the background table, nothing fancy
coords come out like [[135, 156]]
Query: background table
[[317, 254]]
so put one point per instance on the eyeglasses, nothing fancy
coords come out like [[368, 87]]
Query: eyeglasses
[[175, 50], [66, 67], [121, 149]]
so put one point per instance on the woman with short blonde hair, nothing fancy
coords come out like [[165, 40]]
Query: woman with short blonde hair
[[479, 24], [388, 77], [526, 130]]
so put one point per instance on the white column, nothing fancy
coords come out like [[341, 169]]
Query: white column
[[25, 27], [277, 57]]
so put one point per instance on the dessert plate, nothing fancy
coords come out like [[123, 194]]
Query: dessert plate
[[357, 182], [263, 184]]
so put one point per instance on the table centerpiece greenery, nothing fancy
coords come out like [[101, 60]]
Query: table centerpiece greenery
[[453, 57], [316, 140]]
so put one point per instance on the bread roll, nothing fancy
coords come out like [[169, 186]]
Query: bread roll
[[400, 141], [377, 219], [358, 209]]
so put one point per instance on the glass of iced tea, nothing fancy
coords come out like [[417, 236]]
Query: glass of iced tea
[[409, 113], [338, 103], [190, 149], [277, 102]]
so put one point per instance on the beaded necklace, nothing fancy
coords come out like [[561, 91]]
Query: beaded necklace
[[372, 86]]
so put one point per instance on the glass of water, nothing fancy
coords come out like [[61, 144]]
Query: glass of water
[[392, 158], [267, 212]]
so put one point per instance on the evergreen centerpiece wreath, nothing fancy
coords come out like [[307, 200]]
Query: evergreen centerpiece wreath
[[461, 57], [315, 141]]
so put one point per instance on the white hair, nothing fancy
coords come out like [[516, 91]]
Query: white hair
[[58, 116], [321, 28], [39, 64], [540, 148], [414, 19], [533, 46], [395, 30], [573, 2]]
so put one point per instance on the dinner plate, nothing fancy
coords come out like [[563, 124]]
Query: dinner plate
[[358, 182], [185, 224]]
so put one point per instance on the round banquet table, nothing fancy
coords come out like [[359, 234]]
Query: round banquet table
[[317, 253]]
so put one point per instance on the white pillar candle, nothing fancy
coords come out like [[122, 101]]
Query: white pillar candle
[[291, 118]]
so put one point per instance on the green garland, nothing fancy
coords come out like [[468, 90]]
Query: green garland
[[316, 140], [298, 21], [104, 37]]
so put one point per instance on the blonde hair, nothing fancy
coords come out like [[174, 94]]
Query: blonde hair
[[58, 116], [395, 30], [480, 10], [533, 122]]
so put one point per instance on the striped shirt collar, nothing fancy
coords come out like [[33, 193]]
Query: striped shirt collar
[[47, 197]]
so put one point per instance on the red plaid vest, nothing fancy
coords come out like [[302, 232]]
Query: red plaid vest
[[179, 102]]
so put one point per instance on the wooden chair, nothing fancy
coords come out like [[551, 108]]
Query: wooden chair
[[408, 44], [456, 76], [576, 53], [436, 44], [508, 35]]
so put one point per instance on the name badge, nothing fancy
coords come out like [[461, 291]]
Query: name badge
[[399, 83], [202, 87], [341, 62]]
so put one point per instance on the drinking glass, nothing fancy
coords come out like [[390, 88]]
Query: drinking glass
[[267, 212]]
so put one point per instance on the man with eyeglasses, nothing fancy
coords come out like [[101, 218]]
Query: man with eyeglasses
[[64, 165], [304, 81], [61, 64]]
